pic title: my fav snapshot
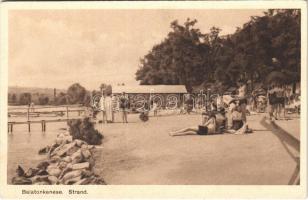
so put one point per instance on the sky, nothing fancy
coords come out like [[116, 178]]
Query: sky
[[56, 48]]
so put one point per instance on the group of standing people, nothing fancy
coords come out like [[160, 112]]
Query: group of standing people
[[277, 99], [106, 105]]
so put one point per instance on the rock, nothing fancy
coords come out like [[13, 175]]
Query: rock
[[84, 146], [70, 175], [57, 149], [53, 147], [72, 180], [66, 170], [84, 165], [72, 150], [69, 165], [77, 157], [60, 135], [91, 161], [19, 180], [97, 181], [66, 133], [31, 172], [54, 159], [52, 166], [43, 165], [91, 147], [37, 178], [84, 181], [54, 172], [42, 183], [42, 172], [61, 151], [62, 165], [60, 139], [79, 142], [68, 139], [86, 153], [67, 159], [20, 171], [44, 150], [87, 173], [53, 180]]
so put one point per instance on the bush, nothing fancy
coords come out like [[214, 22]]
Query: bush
[[83, 129]]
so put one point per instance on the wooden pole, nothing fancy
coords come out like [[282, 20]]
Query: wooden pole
[[28, 113], [29, 128], [11, 127], [67, 112], [44, 125]]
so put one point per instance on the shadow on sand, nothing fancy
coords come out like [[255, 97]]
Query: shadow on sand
[[286, 139]]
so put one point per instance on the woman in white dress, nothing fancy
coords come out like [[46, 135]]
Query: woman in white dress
[[102, 117], [108, 108]]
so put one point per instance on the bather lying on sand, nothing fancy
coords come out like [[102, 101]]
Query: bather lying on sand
[[206, 128], [210, 126]]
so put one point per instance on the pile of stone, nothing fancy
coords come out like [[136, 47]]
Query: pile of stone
[[69, 162]]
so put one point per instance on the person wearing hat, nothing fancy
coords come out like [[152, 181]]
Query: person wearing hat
[[207, 127]]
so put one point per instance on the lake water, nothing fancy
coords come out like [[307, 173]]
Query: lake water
[[23, 146]]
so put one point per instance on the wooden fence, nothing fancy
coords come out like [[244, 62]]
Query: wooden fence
[[30, 113]]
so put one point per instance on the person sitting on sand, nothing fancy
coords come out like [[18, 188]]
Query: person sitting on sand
[[239, 126], [206, 128]]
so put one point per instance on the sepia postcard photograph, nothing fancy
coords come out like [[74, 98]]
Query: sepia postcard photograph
[[153, 99]]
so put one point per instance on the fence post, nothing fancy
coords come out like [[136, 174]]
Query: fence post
[[29, 128], [44, 125], [28, 113], [67, 112]]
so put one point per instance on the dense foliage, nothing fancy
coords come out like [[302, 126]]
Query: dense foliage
[[263, 45], [76, 94]]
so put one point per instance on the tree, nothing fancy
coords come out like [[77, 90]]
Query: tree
[[43, 100], [76, 94], [14, 98], [61, 99], [87, 99], [262, 45], [25, 98], [106, 89], [179, 59]]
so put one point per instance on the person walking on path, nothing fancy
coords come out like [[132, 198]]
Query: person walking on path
[[243, 100], [124, 107], [102, 117], [189, 104], [271, 96], [154, 107]]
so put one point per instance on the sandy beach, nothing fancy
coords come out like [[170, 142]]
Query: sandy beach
[[134, 155]]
